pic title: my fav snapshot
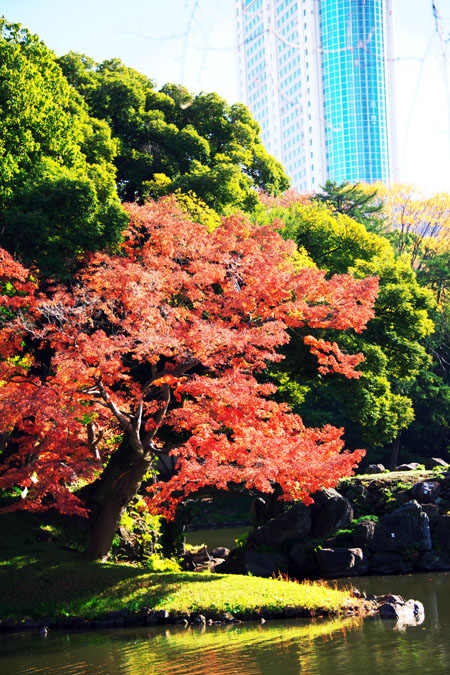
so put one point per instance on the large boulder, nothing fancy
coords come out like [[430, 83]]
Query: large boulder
[[264, 564], [330, 512], [433, 513], [375, 468], [412, 466], [290, 526], [433, 462], [405, 529], [409, 613], [426, 491], [341, 562], [363, 533], [302, 559]]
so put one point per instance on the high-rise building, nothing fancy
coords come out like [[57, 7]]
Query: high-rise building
[[318, 76]]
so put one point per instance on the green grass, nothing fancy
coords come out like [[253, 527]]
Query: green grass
[[39, 580]]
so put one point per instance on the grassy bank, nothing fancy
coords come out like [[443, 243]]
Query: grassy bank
[[41, 580]]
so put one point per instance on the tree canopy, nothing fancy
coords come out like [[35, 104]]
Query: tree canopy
[[173, 140], [418, 227], [374, 408], [360, 202], [157, 350], [57, 179]]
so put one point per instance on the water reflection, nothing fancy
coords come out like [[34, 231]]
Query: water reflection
[[244, 649], [283, 648]]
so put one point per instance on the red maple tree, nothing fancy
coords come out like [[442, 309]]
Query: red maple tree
[[155, 350]]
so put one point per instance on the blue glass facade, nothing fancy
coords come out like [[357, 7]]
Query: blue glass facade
[[354, 90], [316, 75]]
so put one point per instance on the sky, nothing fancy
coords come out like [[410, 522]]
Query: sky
[[192, 42]]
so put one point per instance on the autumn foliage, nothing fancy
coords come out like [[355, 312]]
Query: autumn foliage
[[161, 349]]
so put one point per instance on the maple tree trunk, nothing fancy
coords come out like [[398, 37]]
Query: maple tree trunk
[[108, 497]]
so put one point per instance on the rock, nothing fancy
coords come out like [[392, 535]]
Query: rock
[[198, 561], [356, 492], [375, 468], [389, 597], [441, 533], [409, 613], [293, 524], [234, 564], [227, 617], [303, 559], [406, 528], [263, 564], [426, 491], [412, 466], [330, 512], [162, 615], [363, 533], [433, 513], [389, 563], [201, 555], [338, 562], [220, 552], [432, 462]]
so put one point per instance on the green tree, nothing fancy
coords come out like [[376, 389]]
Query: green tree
[[418, 227], [57, 178], [172, 140], [357, 201], [376, 407]]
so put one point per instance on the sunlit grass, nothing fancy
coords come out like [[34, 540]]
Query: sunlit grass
[[212, 594], [38, 580]]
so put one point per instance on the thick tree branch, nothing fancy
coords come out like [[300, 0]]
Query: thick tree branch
[[123, 421]]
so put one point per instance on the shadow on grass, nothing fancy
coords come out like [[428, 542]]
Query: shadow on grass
[[40, 579]]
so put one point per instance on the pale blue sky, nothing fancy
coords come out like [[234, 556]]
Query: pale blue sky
[[191, 42]]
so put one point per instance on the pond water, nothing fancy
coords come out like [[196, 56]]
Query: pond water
[[322, 647], [216, 537]]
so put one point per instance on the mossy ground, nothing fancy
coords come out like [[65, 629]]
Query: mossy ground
[[39, 579]]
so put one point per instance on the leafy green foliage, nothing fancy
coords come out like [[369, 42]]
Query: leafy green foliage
[[356, 201], [375, 407], [171, 140], [57, 188]]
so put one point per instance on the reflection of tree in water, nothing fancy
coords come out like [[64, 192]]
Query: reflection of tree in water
[[238, 649], [322, 647]]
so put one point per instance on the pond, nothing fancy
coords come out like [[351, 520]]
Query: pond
[[322, 647], [216, 537]]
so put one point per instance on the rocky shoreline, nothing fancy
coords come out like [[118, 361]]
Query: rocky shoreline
[[387, 607]]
